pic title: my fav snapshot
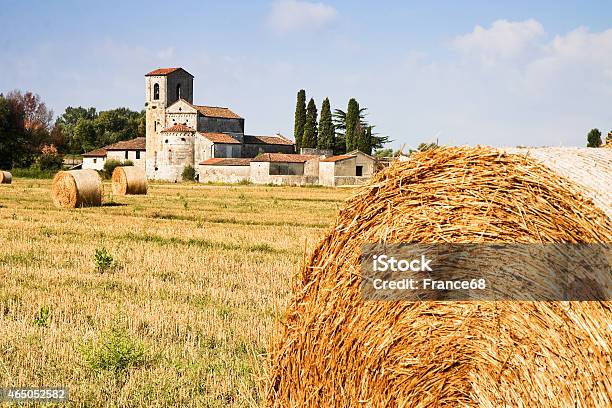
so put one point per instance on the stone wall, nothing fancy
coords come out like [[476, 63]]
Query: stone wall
[[252, 150], [223, 174], [220, 125]]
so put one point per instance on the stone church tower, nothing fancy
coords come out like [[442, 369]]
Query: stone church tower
[[163, 87]]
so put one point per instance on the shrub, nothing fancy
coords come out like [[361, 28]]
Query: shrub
[[42, 317], [48, 159], [109, 167], [114, 351], [188, 173], [103, 260], [128, 163], [33, 172]]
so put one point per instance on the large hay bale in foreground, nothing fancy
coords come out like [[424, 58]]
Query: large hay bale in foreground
[[5, 177], [77, 188], [336, 350], [129, 180]]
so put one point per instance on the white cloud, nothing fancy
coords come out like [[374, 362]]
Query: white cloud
[[503, 40], [294, 15]]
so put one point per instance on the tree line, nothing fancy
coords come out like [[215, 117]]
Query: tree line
[[342, 131], [30, 137]]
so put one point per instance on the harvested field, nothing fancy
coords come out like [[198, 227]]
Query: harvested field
[[334, 349], [200, 275]]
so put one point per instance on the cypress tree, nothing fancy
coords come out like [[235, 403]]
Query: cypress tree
[[310, 128], [300, 118], [352, 125], [327, 131]]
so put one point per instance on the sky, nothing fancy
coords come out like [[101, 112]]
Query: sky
[[496, 73]]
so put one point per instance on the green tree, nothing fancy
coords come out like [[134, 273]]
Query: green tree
[[353, 125], [300, 118], [327, 132], [84, 136], [12, 132], [310, 128], [594, 138]]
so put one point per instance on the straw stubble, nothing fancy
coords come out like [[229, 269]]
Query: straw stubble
[[334, 349]]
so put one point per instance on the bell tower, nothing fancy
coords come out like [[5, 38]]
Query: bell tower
[[163, 87]]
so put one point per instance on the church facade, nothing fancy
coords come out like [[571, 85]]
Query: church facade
[[180, 133]]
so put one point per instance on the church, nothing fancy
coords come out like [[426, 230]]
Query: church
[[180, 133]]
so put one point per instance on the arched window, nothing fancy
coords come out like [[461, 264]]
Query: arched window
[[156, 91], [178, 91]]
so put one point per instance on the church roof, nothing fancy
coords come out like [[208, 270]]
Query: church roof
[[219, 138], [178, 128], [216, 112], [273, 140], [164, 71], [284, 158]]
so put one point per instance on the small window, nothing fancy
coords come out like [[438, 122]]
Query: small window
[[137, 154], [182, 139], [359, 171], [126, 154], [156, 91], [166, 140], [180, 109], [178, 91], [155, 126], [95, 161]]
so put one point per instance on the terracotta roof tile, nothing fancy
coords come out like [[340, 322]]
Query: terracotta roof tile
[[216, 112], [220, 138], [164, 71], [101, 152], [178, 128], [273, 140], [338, 158], [226, 162], [284, 158], [139, 143]]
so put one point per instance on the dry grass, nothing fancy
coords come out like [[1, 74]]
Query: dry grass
[[199, 274]]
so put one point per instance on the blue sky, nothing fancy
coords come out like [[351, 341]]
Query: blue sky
[[465, 72]]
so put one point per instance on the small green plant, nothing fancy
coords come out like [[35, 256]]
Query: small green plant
[[104, 260], [188, 173], [114, 351], [42, 317]]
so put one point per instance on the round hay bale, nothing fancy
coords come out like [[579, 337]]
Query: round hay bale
[[129, 180], [77, 188], [334, 349], [5, 177]]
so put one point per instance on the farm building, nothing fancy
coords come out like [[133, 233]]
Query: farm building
[[280, 168], [133, 150], [352, 168], [219, 170], [179, 133]]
